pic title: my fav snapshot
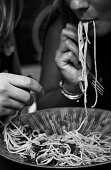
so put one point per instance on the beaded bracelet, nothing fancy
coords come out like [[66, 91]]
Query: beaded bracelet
[[67, 94]]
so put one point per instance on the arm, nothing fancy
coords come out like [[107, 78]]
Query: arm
[[15, 88], [50, 75], [15, 92]]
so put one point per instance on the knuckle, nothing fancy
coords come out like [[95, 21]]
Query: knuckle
[[3, 100], [3, 90], [69, 54], [5, 111], [59, 48], [67, 42], [63, 31], [27, 81], [57, 56], [11, 111], [29, 99], [4, 86], [57, 60], [30, 102], [20, 106]]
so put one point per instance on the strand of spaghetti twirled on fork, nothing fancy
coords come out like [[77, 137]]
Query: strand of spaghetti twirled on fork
[[83, 47]]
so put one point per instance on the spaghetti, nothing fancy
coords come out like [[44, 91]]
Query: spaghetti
[[69, 149], [83, 43]]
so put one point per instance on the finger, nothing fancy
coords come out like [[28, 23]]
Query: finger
[[24, 82], [6, 102], [68, 34], [67, 59], [13, 104], [68, 45], [20, 95], [17, 95], [69, 71], [7, 111], [71, 27], [73, 60], [74, 30]]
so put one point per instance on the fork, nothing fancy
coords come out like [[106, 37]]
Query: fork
[[99, 87]]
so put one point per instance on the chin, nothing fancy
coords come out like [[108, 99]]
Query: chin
[[102, 33], [103, 29]]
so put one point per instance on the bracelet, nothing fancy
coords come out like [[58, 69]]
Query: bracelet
[[67, 94]]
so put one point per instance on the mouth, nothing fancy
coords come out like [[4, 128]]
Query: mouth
[[87, 20], [91, 23]]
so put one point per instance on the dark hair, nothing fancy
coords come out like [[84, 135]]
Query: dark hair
[[10, 12]]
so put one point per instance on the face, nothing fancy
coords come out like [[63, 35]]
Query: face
[[97, 10]]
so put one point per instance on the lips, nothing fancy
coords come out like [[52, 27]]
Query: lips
[[87, 20]]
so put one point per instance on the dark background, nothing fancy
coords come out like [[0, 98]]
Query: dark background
[[23, 32]]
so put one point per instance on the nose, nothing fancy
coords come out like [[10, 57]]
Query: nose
[[79, 4]]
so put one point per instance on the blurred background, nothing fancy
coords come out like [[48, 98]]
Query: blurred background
[[27, 34]]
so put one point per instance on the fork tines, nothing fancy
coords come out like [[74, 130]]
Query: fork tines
[[95, 83]]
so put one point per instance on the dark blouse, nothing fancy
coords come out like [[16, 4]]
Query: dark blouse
[[103, 58], [104, 69], [6, 63], [7, 56]]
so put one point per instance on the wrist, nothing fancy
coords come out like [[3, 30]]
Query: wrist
[[71, 87], [68, 93]]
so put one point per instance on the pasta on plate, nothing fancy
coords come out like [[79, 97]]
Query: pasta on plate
[[71, 148]]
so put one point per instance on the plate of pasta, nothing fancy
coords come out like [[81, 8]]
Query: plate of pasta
[[59, 138]]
